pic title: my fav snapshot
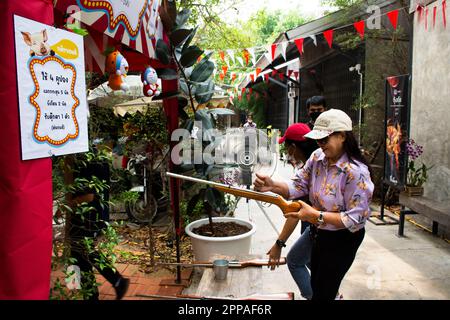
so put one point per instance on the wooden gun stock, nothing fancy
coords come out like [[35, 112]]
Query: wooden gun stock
[[231, 264], [284, 205], [256, 296]]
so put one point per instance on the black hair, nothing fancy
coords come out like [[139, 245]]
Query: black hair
[[316, 101], [353, 152], [307, 147]]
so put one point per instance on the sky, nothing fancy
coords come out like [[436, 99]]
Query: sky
[[307, 8]]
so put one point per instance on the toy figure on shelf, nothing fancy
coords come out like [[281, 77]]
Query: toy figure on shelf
[[117, 67], [150, 80]]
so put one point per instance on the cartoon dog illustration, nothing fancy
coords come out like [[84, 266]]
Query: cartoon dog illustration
[[38, 43]]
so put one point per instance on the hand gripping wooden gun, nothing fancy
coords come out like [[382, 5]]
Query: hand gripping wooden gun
[[269, 197]]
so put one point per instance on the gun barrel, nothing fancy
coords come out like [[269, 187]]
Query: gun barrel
[[222, 187]]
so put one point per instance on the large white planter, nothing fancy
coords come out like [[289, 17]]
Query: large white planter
[[206, 247]]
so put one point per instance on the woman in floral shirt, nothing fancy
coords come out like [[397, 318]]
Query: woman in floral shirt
[[337, 180]]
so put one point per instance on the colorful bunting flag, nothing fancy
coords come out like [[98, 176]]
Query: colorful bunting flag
[[241, 61], [314, 38], [434, 16], [252, 55], [296, 74], [231, 55], [283, 49], [299, 44], [329, 37], [281, 76], [360, 26], [246, 56], [224, 69], [290, 73], [222, 55], [393, 18], [252, 77], [266, 77], [258, 71], [444, 17], [273, 49]]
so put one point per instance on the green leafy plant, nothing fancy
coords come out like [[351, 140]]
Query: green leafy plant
[[195, 78], [67, 210]]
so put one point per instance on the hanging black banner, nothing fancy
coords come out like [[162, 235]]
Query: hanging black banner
[[396, 129]]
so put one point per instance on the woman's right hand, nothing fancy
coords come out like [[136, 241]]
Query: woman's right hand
[[263, 183], [274, 256]]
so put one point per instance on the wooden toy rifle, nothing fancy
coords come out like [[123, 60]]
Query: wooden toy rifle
[[231, 263], [256, 296], [269, 197]]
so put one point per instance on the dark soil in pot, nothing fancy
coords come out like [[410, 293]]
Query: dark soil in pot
[[221, 229]]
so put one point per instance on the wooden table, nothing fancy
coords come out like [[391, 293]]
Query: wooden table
[[240, 282]]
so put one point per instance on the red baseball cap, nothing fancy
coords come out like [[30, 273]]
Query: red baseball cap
[[295, 132]]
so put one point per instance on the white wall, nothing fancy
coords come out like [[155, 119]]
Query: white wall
[[430, 101]]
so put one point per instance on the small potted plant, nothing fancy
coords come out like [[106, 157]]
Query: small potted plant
[[416, 174]]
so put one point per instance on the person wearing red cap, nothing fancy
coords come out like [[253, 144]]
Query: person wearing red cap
[[299, 149]]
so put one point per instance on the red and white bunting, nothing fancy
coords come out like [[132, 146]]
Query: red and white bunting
[[246, 55], [328, 34], [296, 74], [252, 77], [252, 55], [393, 18], [222, 55], [273, 50], [314, 39], [434, 16], [360, 27], [258, 71], [283, 49], [266, 77], [444, 17], [231, 55], [299, 44]]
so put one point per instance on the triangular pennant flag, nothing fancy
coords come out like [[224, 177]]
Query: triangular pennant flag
[[296, 73], [224, 69], [444, 17], [299, 44], [266, 77], [243, 90], [290, 73], [241, 61], [221, 76], [252, 77], [250, 90], [283, 49], [231, 55], [360, 26], [419, 10], [274, 72], [434, 16], [252, 55], [329, 36], [233, 76], [258, 71], [246, 56], [314, 38], [393, 17], [426, 18], [281, 76], [273, 49], [222, 55]]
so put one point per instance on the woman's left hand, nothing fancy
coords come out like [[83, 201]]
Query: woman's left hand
[[306, 213]]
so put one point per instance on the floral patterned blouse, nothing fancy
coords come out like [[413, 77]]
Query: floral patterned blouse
[[345, 187]]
